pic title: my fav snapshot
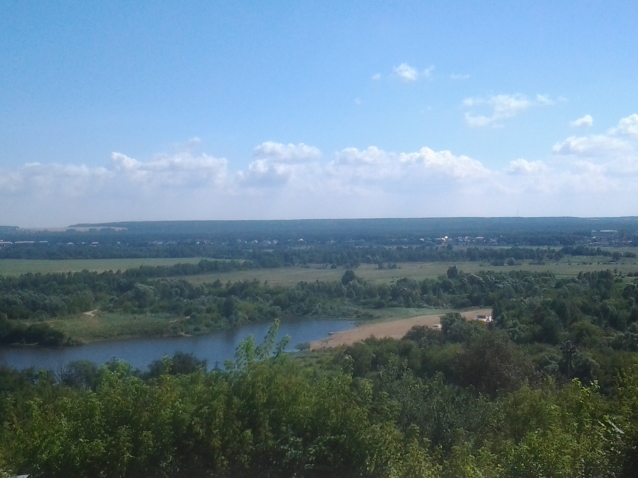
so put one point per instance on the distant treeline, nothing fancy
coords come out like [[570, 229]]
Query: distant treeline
[[389, 229], [344, 255], [210, 238]]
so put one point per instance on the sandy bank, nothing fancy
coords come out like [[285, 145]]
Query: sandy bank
[[394, 328]]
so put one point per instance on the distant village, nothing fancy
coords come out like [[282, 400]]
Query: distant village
[[598, 238]]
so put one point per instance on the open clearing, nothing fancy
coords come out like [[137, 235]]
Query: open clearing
[[395, 329], [290, 276], [96, 325], [15, 267]]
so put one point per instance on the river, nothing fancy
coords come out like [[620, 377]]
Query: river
[[214, 348]]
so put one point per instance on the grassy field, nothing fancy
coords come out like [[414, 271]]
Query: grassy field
[[105, 326], [292, 275], [14, 267]]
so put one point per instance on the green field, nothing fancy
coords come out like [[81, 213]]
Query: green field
[[106, 326], [15, 267], [290, 276]]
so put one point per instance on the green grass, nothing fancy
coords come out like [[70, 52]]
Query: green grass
[[15, 267], [290, 276], [105, 326]]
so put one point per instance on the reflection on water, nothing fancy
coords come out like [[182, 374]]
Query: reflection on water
[[215, 348]]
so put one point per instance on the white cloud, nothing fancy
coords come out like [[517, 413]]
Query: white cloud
[[289, 153], [586, 175], [585, 122], [406, 72], [627, 126], [427, 73], [597, 145], [502, 107], [444, 162], [524, 167], [175, 171], [410, 74], [275, 164], [124, 175], [611, 158], [455, 76], [544, 100], [412, 166], [263, 172], [376, 76], [370, 156]]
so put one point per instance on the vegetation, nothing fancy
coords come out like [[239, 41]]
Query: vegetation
[[34, 308], [549, 388], [424, 406]]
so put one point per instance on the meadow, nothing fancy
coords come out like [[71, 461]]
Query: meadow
[[16, 267], [99, 325], [290, 276]]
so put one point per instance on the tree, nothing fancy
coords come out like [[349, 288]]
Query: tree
[[348, 277]]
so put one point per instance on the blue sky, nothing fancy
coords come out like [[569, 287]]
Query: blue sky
[[261, 110]]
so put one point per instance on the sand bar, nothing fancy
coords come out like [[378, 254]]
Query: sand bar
[[393, 328]]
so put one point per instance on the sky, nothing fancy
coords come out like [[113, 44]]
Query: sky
[[165, 110]]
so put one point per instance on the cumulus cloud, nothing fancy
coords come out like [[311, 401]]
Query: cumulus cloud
[[524, 167], [627, 127], [46, 179], [422, 165], [595, 145], [370, 156], [376, 76], [287, 153], [500, 107], [455, 76], [580, 176], [406, 72], [123, 174], [276, 163], [409, 73], [263, 172], [585, 122], [612, 158], [179, 170], [445, 163]]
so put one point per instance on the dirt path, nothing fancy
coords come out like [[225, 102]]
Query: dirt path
[[394, 328]]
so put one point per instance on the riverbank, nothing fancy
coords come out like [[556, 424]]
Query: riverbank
[[139, 352], [99, 326], [392, 329]]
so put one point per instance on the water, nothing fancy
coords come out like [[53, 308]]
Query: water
[[215, 348]]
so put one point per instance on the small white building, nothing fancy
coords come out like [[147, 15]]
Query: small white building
[[483, 318]]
